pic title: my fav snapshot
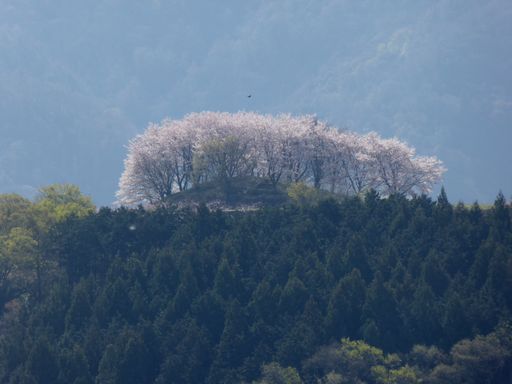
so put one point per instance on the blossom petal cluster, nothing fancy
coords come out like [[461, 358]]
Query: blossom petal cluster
[[176, 155]]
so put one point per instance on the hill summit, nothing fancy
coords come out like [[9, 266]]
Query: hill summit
[[179, 155], [240, 193]]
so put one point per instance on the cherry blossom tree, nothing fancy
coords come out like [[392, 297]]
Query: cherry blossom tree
[[148, 176], [270, 148], [224, 145], [177, 154], [295, 147], [399, 170], [318, 154]]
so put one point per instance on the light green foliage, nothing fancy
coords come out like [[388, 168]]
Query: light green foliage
[[273, 373], [23, 223], [14, 212], [426, 358], [380, 373], [355, 361], [357, 352], [62, 194], [223, 159], [332, 378], [20, 245], [302, 193], [402, 375], [57, 202], [18, 255]]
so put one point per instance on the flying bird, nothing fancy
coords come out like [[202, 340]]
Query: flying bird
[[249, 96]]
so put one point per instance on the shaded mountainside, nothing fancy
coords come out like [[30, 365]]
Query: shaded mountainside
[[275, 295], [79, 79]]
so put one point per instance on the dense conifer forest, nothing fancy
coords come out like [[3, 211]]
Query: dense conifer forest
[[354, 290]]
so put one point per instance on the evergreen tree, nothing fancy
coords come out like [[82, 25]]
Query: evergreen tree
[[74, 367], [443, 209], [232, 347], [425, 315], [500, 220], [293, 296], [226, 284], [42, 363], [80, 308], [345, 306], [384, 323], [109, 366]]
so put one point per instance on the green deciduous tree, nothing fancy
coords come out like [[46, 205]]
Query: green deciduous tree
[[57, 202], [273, 373]]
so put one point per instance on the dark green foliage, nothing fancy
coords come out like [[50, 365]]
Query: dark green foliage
[[136, 296], [346, 305], [383, 324], [275, 374], [188, 356], [42, 362], [74, 367], [232, 347]]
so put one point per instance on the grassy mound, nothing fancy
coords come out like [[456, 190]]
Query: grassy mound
[[237, 193]]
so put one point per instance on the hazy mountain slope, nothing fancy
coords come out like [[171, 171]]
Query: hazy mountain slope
[[78, 80]]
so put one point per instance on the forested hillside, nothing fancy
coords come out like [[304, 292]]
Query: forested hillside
[[360, 290]]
